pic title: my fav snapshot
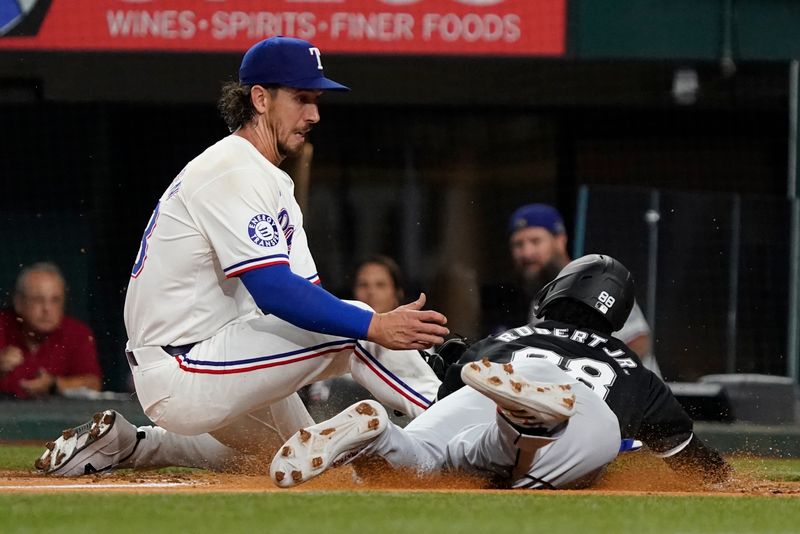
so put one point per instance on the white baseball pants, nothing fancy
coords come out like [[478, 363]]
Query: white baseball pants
[[257, 363], [463, 431]]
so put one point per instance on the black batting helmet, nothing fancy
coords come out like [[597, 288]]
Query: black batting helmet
[[599, 281]]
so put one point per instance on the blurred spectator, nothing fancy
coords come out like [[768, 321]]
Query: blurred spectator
[[377, 281], [538, 245], [42, 351]]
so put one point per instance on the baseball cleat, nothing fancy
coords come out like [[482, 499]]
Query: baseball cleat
[[96, 446], [522, 402], [337, 441]]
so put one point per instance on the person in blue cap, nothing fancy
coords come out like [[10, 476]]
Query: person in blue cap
[[538, 243], [225, 312]]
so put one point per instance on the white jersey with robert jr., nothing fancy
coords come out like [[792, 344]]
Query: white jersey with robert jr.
[[228, 211]]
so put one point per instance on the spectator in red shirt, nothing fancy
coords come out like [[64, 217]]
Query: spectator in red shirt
[[43, 351]]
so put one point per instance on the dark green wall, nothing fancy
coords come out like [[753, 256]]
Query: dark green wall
[[685, 29]]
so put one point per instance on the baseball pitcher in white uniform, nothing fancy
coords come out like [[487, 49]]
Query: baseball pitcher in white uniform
[[225, 314]]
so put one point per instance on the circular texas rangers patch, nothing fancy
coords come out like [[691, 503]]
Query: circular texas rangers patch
[[263, 231]]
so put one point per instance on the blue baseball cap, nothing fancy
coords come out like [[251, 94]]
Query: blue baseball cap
[[536, 215], [288, 62]]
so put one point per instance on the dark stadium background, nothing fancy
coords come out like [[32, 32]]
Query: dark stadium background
[[425, 160]]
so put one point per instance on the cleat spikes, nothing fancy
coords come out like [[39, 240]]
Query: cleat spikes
[[365, 409], [508, 368], [486, 362], [328, 444], [521, 402], [101, 443]]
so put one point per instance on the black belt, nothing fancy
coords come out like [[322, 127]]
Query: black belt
[[172, 350]]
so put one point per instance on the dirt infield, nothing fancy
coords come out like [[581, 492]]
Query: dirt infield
[[635, 475]]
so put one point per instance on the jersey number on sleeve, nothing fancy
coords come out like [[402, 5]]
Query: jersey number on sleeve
[[141, 257], [597, 375]]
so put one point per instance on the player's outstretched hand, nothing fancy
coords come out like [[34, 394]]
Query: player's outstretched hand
[[408, 327]]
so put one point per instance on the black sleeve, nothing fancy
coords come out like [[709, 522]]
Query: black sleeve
[[486, 348], [699, 460], [665, 424], [452, 378]]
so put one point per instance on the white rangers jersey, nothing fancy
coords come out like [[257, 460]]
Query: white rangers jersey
[[228, 211]]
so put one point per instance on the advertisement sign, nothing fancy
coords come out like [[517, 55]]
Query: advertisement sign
[[495, 27]]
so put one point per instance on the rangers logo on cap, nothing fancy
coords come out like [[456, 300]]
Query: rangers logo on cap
[[263, 231]]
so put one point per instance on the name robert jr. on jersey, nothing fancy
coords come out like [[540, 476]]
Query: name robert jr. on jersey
[[589, 339]]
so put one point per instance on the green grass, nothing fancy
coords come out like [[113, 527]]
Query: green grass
[[786, 470], [402, 512], [19, 456], [387, 512]]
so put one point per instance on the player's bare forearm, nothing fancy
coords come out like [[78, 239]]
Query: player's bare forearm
[[408, 327]]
